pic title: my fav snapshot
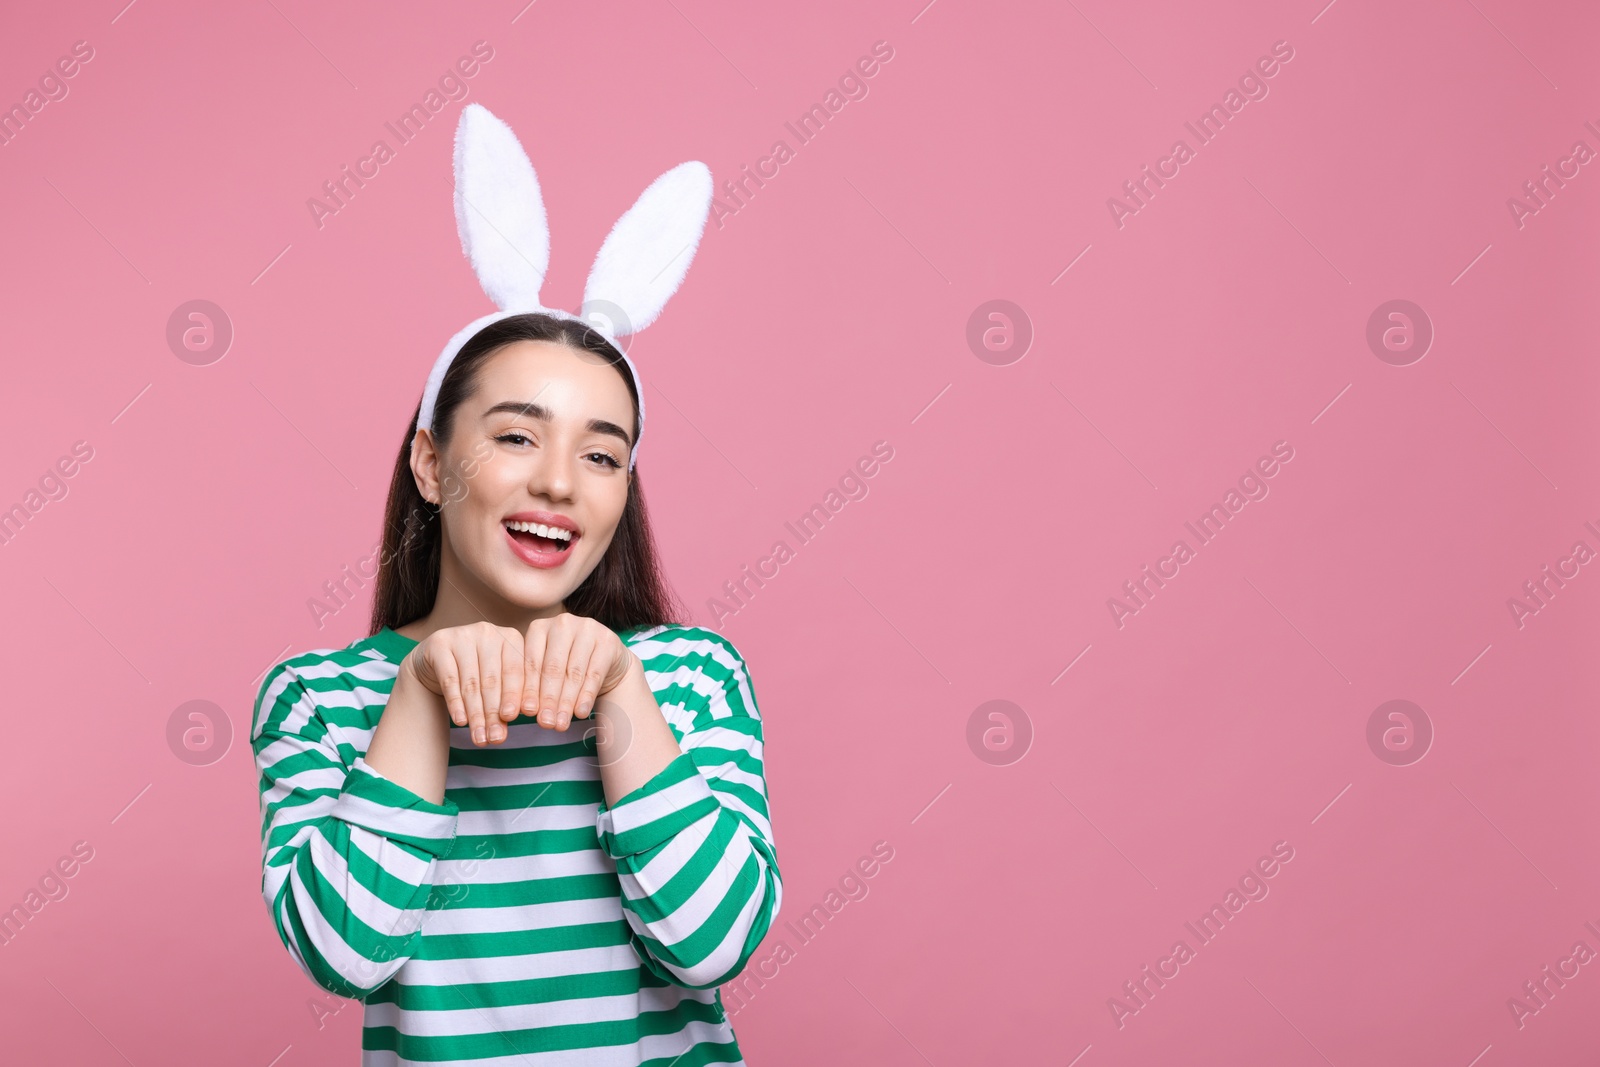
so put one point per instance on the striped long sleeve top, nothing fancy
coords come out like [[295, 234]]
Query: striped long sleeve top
[[522, 921]]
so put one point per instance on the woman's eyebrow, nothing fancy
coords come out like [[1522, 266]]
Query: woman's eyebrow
[[535, 410]]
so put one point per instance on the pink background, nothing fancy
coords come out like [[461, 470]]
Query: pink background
[[828, 314]]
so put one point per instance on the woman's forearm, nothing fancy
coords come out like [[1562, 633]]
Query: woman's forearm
[[634, 742], [411, 744]]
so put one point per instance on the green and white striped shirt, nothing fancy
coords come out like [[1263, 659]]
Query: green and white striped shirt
[[521, 922]]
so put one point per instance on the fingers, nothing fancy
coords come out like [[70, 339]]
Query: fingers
[[576, 676], [510, 675], [553, 671], [489, 680], [532, 657], [564, 663], [466, 649], [442, 662], [481, 671], [593, 678]]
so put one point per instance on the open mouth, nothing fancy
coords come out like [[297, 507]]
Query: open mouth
[[547, 540]]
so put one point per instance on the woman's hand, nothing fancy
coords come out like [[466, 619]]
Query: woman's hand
[[478, 670], [488, 674], [570, 661]]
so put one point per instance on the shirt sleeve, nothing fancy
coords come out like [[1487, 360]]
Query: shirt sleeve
[[693, 845], [348, 856]]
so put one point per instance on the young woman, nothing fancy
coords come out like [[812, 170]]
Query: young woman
[[525, 821]]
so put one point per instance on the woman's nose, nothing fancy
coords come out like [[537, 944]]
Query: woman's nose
[[551, 473]]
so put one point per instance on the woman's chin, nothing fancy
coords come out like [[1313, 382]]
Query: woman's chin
[[531, 590]]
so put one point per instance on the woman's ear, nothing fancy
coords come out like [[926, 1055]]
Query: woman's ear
[[425, 466]]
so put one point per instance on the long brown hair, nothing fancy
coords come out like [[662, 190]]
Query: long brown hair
[[626, 589]]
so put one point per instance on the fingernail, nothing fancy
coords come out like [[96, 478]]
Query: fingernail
[[477, 734]]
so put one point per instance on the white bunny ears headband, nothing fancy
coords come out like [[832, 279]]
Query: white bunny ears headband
[[506, 236]]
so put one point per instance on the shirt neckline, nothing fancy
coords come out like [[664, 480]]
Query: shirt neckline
[[392, 645]]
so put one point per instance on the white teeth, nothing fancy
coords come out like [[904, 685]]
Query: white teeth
[[555, 532]]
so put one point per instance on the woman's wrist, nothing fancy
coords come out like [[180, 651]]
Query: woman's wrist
[[632, 674], [406, 677], [411, 743], [634, 741]]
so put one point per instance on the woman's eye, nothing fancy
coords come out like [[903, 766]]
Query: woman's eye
[[519, 438]]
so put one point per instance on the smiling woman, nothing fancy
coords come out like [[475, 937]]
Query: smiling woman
[[543, 538], [520, 373], [436, 841], [631, 869]]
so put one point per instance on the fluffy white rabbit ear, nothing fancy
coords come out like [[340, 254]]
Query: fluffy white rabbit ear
[[648, 251], [499, 210]]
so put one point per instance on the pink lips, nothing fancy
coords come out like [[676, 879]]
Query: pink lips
[[535, 555]]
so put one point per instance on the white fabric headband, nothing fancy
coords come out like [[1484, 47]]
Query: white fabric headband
[[505, 234]]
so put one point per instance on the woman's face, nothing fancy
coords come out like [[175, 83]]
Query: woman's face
[[542, 442]]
